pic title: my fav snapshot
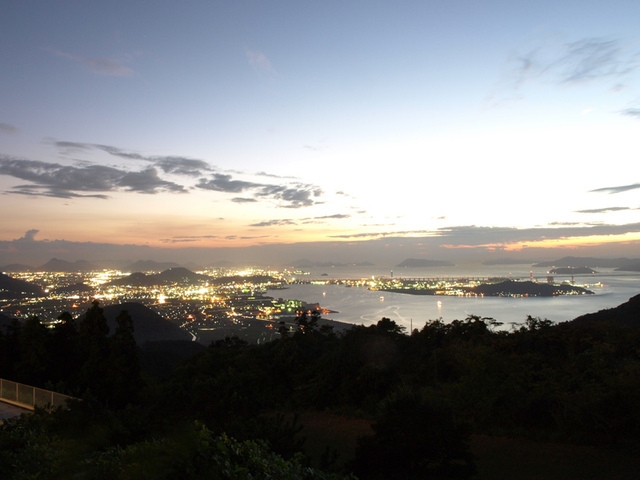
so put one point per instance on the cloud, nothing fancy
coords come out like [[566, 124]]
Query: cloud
[[259, 62], [171, 164], [288, 196], [475, 236], [57, 180], [337, 216], [188, 167], [575, 62], [570, 63], [294, 196], [604, 210], [104, 66], [322, 219], [618, 189], [147, 181], [29, 236], [592, 58], [8, 129], [224, 183], [273, 223], [63, 181], [631, 112]]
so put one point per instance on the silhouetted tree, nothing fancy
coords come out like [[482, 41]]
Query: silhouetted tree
[[124, 367], [94, 348], [32, 367]]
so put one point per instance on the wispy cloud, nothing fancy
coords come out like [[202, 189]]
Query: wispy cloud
[[617, 189], [104, 66], [259, 62], [592, 58], [582, 61], [631, 112], [8, 129], [273, 223], [604, 210]]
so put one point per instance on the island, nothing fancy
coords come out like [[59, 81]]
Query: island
[[496, 287], [572, 271]]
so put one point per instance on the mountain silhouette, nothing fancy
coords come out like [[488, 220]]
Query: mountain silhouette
[[14, 288], [626, 314], [148, 326], [57, 265], [17, 267], [150, 266], [170, 276], [589, 262], [423, 262]]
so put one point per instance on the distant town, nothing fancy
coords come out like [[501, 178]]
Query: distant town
[[211, 304]]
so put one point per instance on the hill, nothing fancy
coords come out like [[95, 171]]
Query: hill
[[572, 270], [17, 267], [533, 289], [5, 321], [148, 325], [15, 288], [631, 267], [170, 276], [626, 314], [57, 265], [150, 266], [589, 262]]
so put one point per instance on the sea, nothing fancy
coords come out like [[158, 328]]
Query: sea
[[358, 305]]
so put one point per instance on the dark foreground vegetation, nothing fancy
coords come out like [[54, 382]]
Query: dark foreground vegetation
[[238, 411]]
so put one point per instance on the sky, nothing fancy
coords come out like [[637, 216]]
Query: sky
[[332, 131]]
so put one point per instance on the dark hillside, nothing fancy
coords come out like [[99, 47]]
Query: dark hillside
[[148, 325], [15, 288], [626, 314]]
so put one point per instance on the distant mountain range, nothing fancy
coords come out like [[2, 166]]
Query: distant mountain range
[[422, 263], [58, 265], [617, 263], [306, 263]]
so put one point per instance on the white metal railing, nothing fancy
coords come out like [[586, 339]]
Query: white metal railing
[[29, 397]]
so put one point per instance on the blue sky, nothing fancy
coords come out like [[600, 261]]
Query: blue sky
[[458, 125]]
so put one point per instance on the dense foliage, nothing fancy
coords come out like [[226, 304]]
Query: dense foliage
[[424, 392]]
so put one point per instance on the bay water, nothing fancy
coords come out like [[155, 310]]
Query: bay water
[[358, 305]]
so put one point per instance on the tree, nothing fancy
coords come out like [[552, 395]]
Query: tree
[[124, 371], [415, 438], [32, 367], [94, 350]]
